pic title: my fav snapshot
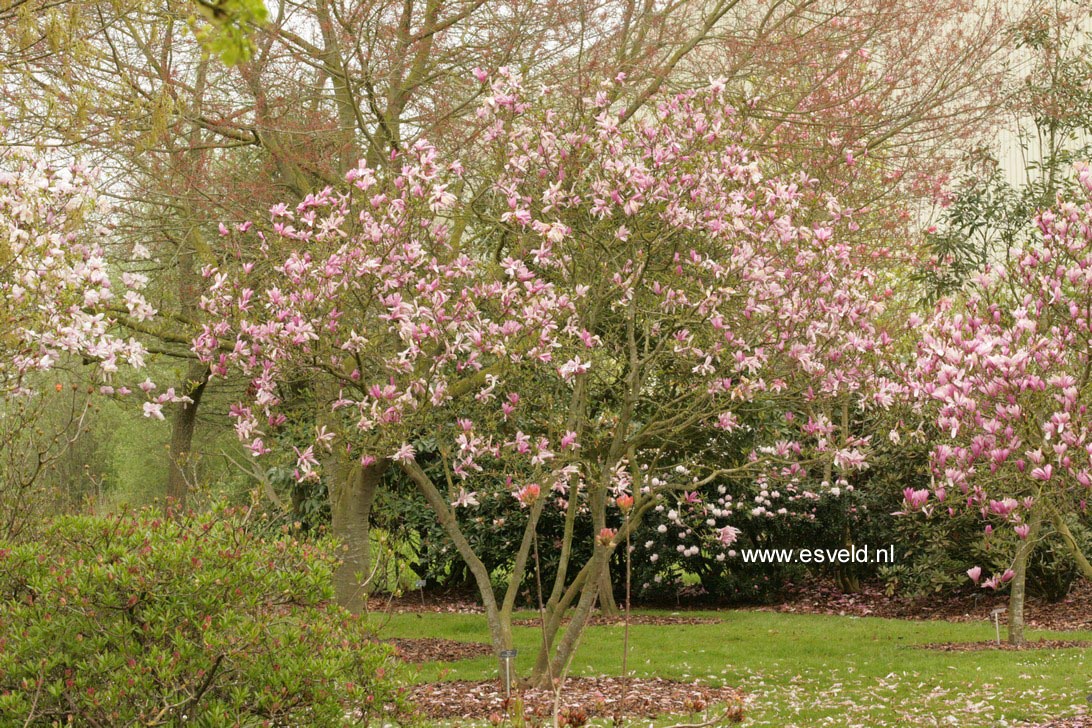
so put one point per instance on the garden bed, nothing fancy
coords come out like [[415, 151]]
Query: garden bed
[[992, 645], [582, 699], [437, 649]]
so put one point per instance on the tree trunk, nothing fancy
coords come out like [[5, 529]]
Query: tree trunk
[[608, 605], [183, 425], [846, 574], [500, 630], [353, 488], [566, 647], [603, 586], [1019, 580]]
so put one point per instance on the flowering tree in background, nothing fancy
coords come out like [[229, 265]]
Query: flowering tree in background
[[561, 334], [1005, 375], [56, 298]]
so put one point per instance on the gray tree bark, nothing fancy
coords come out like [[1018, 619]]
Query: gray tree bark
[[353, 489], [1018, 589]]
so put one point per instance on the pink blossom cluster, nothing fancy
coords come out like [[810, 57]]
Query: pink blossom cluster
[[1004, 377], [650, 266], [58, 297]]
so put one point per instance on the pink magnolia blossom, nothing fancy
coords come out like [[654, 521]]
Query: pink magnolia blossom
[[655, 261]]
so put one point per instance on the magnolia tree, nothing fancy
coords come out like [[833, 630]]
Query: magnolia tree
[[561, 334], [56, 299], [1005, 376]]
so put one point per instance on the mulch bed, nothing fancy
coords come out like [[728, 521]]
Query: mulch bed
[[435, 649], [1080, 721], [650, 620], [586, 698], [991, 645], [446, 601]]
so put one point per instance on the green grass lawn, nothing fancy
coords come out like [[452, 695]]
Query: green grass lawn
[[808, 670]]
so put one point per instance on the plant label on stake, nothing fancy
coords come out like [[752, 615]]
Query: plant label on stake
[[997, 622], [508, 656]]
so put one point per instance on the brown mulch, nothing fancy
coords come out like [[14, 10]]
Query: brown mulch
[[1080, 721], [580, 697], [436, 649], [447, 601], [1072, 613], [650, 620], [992, 645]]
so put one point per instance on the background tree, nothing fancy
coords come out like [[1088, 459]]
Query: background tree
[[1006, 376], [56, 302]]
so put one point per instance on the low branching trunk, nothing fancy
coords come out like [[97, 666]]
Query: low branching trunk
[[500, 630], [353, 489], [1019, 580], [558, 664], [604, 586]]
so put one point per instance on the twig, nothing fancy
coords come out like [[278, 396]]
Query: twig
[[205, 684], [34, 703], [258, 475], [625, 632], [542, 620]]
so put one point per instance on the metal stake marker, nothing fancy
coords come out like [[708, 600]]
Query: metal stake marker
[[508, 656], [997, 622], [420, 584]]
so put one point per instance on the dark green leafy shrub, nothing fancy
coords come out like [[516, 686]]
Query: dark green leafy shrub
[[202, 619]]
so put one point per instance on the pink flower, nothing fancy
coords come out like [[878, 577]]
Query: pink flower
[[1007, 576], [1023, 530], [916, 499], [728, 535], [1003, 507], [605, 536], [1042, 473], [465, 499], [572, 367], [975, 573], [624, 502]]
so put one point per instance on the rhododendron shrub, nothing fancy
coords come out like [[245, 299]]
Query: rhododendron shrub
[[571, 332], [136, 619], [1004, 377]]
